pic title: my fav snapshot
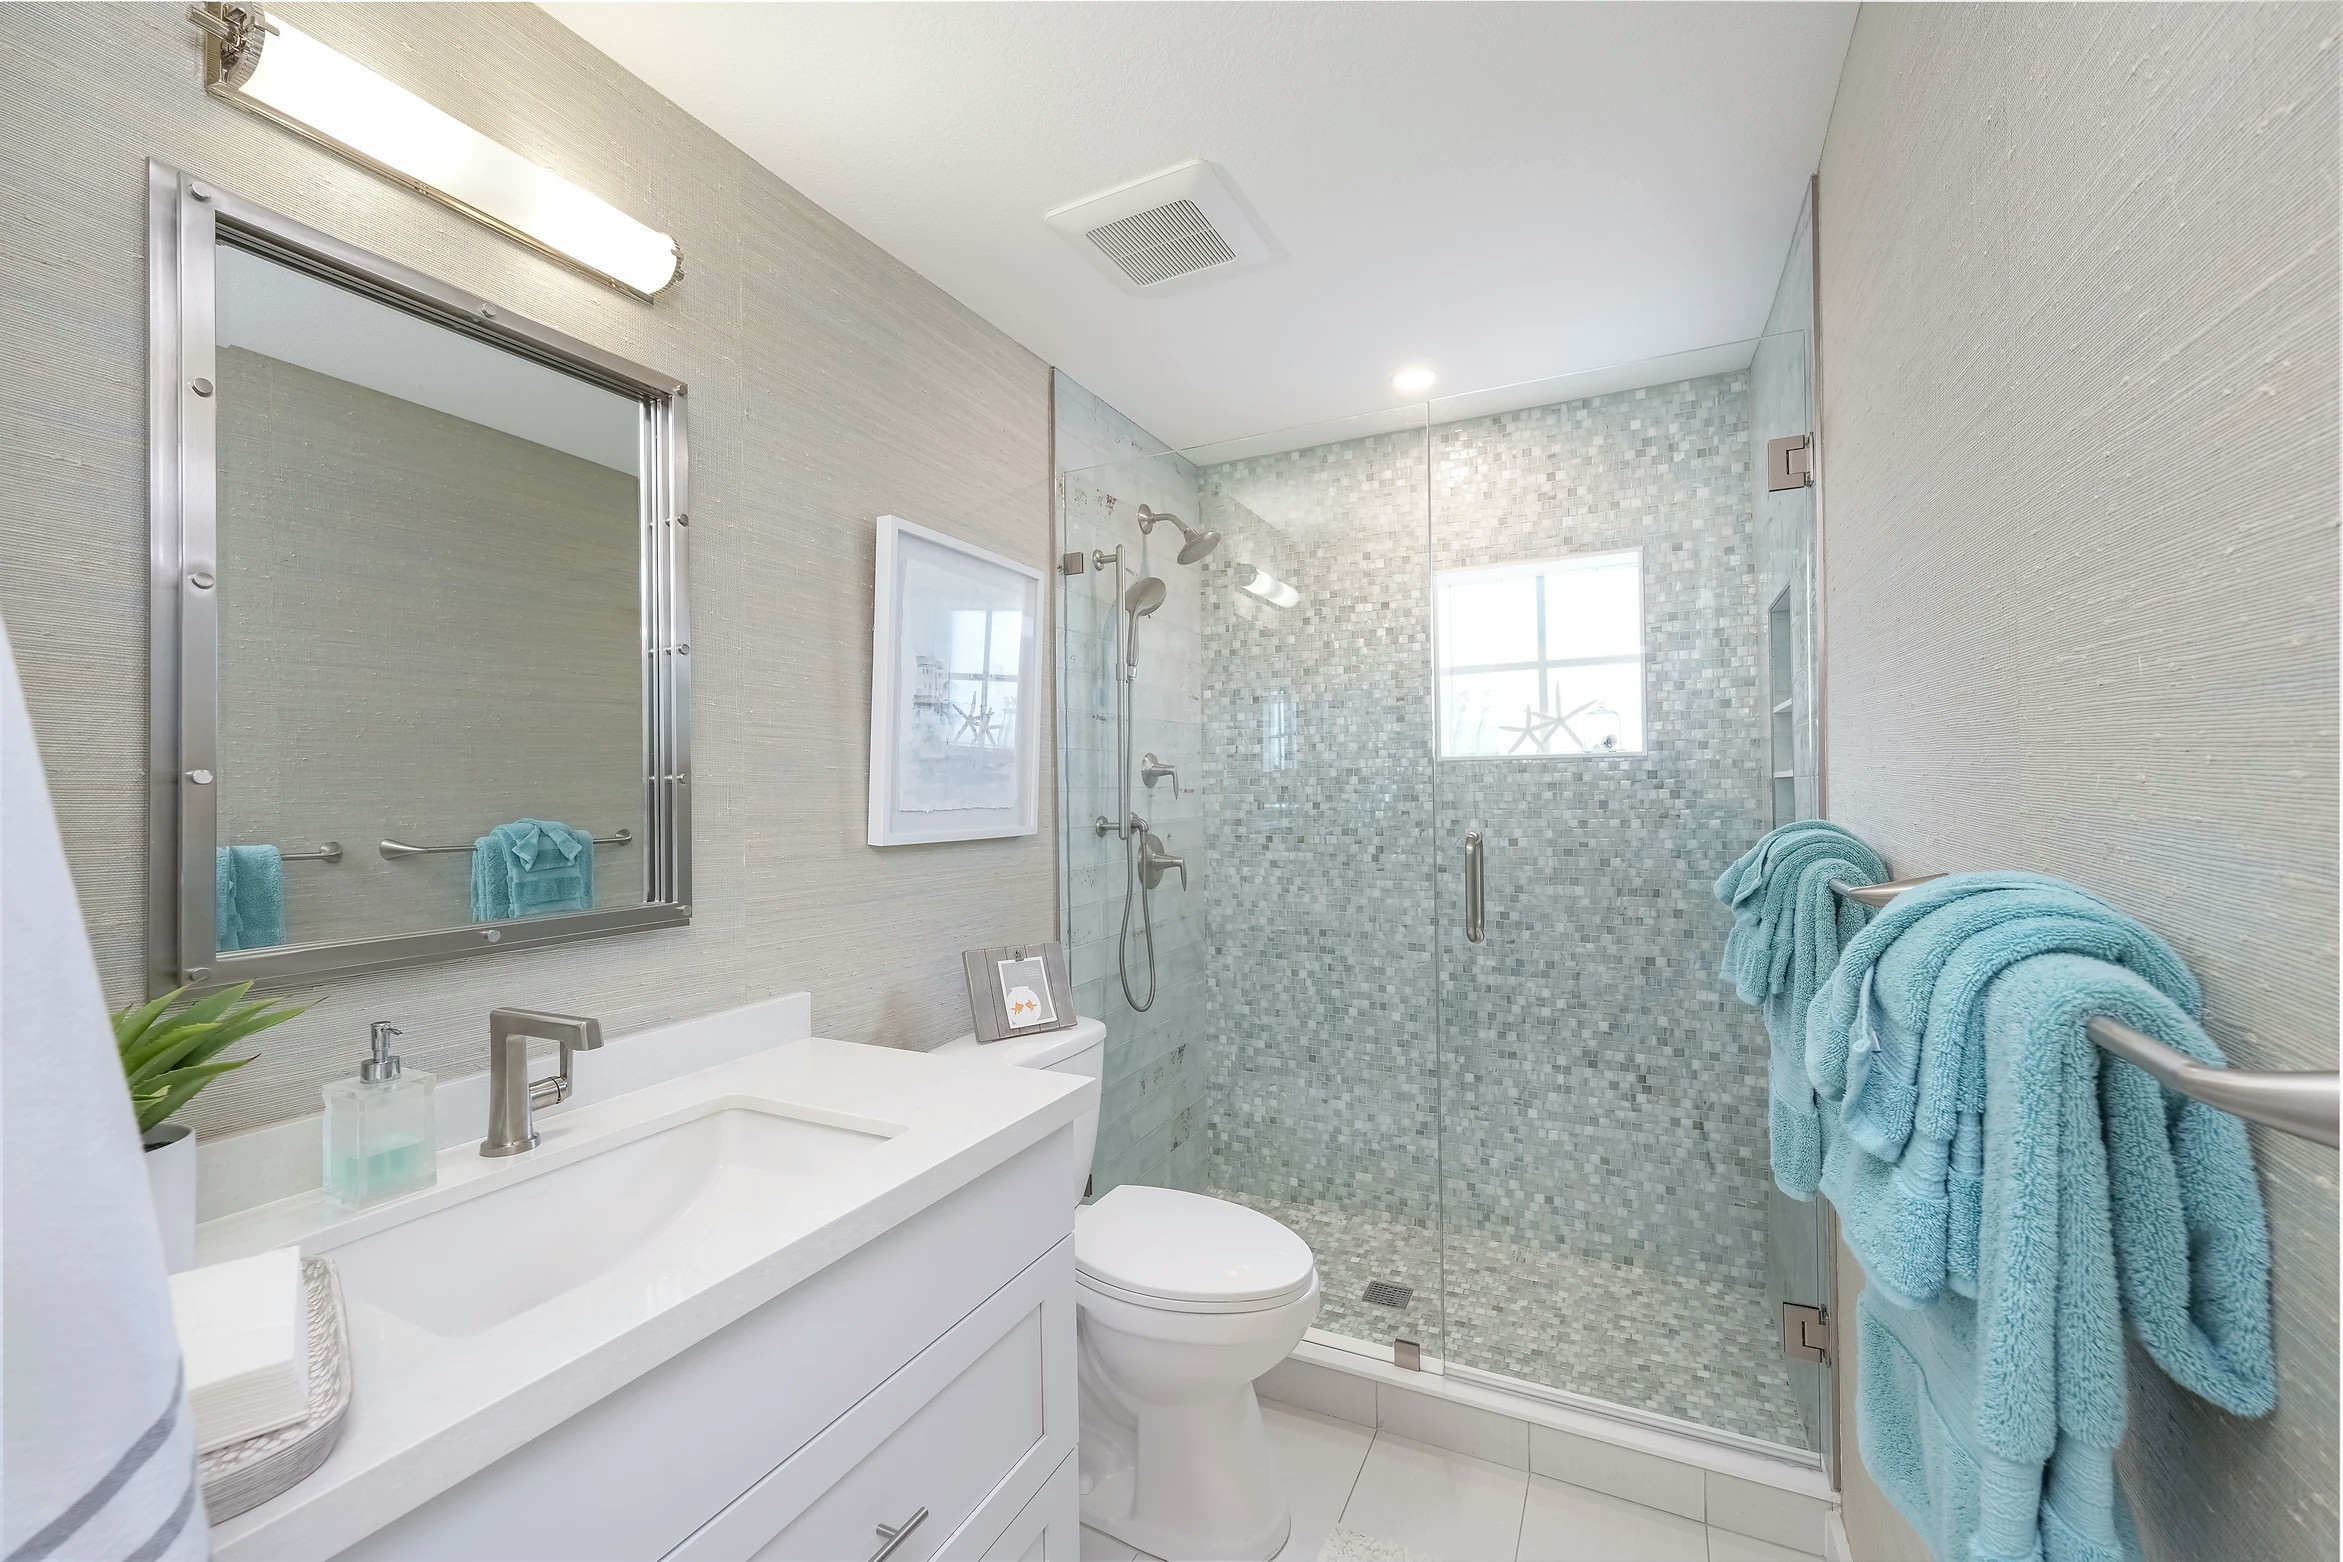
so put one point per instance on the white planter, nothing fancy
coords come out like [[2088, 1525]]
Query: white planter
[[170, 1172]]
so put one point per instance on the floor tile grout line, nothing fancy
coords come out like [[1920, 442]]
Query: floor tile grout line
[[1373, 1433]]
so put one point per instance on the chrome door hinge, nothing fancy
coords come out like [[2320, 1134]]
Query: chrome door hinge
[[1806, 1333], [1789, 463]]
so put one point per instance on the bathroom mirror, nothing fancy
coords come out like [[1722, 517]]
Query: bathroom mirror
[[420, 650]]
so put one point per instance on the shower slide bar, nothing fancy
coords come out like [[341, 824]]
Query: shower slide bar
[[397, 849], [2301, 1103]]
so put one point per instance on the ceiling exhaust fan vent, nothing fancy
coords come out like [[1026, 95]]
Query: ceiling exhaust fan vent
[[1179, 223], [1167, 242]]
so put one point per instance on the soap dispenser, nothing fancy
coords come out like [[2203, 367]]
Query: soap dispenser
[[381, 1138]]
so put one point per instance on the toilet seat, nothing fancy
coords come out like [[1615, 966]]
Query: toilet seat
[[1090, 1285], [1171, 1251]]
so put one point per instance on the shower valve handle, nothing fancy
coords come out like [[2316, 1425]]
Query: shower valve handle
[[1155, 862], [1152, 770]]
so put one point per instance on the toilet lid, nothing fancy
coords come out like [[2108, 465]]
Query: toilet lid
[[1186, 1247]]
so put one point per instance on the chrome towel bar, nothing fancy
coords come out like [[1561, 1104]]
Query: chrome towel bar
[[394, 850], [2303, 1103], [331, 851]]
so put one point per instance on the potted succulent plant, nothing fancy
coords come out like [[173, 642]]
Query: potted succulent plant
[[166, 1058]]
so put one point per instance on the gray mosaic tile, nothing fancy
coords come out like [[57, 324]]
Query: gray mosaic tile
[[1701, 1351]]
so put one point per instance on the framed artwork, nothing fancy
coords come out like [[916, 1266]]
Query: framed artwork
[[1018, 990], [956, 726]]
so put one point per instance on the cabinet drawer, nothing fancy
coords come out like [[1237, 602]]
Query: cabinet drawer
[[1050, 1527], [974, 1424]]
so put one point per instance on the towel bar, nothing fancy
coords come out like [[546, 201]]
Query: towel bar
[[2305, 1104], [331, 851], [394, 850]]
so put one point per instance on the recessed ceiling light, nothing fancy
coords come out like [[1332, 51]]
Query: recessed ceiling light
[[1414, 380]]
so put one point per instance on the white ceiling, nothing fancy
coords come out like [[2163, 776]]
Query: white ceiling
[[1504, 192]]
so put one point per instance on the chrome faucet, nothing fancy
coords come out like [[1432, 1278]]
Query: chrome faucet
[[513, 1096], [1152, 770]]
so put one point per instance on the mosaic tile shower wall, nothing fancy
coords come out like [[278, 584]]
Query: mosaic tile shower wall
[[1151, 1114], [1319, 804]]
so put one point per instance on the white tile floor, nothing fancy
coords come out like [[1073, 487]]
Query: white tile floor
[[1449, 1507]]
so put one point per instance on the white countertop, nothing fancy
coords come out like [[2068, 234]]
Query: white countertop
[[429, 1410]]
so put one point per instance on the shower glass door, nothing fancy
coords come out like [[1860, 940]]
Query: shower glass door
[[1602, 722]]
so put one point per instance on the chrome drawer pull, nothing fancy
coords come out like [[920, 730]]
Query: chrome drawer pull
[[895, 1534]]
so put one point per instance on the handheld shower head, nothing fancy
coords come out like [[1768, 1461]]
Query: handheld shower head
[[1144, 597], [1198, 543]]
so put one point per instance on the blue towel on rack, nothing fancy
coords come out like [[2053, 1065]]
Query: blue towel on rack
[[1788, 929], [1895, 1048], [1992, 1422], [248, 898], [531, 868]]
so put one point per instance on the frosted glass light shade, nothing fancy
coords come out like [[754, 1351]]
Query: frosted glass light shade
[[308, 87]]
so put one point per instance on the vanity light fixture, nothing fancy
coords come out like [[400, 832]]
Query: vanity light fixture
[[272, 68], [1414, 381], [1266, 586]]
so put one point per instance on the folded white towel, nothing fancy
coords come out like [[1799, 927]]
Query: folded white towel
[[244, 1331]]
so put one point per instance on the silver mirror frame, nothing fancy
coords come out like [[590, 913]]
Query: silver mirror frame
[[185, 217]]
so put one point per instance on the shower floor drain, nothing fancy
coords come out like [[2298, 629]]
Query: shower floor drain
[[1384, 1294]]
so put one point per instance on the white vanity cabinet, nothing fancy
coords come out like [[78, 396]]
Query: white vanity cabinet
[[920, 1387]]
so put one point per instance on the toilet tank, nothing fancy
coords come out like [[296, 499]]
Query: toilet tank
[[1078, 1049]]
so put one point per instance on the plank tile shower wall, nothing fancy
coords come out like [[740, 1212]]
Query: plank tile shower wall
[[1151, 1112], [1601, 1094]]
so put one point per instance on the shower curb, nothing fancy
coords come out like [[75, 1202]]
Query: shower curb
[[1651, 1464]]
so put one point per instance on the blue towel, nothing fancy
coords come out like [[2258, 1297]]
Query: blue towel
[[1788, 929], [248, 898], [531, 868], [1895, 1048], [1992, 1423]]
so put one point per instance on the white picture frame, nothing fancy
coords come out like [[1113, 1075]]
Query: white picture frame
[[956, 725]]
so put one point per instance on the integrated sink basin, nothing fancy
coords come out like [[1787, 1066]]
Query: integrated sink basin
[[639, 1205]]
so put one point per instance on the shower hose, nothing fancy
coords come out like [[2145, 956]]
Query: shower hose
[[1131, 887]]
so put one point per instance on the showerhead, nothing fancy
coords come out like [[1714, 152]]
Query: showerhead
[[1198, 543], [1144, 597]]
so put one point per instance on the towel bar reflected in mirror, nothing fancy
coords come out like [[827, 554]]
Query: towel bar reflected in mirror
[[2303, 1103], [394, 850]]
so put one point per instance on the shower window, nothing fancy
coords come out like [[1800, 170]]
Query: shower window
[[1277, 731], [1542, 658]]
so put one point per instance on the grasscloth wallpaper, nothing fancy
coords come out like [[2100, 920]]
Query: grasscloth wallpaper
[[2079, 381], [829, 384]]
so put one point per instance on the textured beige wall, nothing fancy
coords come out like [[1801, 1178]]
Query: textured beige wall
[[2079, 343], [427, 627], [829, 385]]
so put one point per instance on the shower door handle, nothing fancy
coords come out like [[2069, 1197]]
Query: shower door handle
[[1474, 928]]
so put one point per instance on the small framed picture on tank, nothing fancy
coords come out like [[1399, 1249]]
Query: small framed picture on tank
[[955, 730], [1018, 990]]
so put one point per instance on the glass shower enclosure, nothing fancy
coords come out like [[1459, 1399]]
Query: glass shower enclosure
[[1453, 729]]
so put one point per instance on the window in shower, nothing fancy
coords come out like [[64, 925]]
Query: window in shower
[[1277, 731], [1542, 658]]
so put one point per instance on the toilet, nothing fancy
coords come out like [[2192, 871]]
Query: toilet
[[1181, 1301]]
